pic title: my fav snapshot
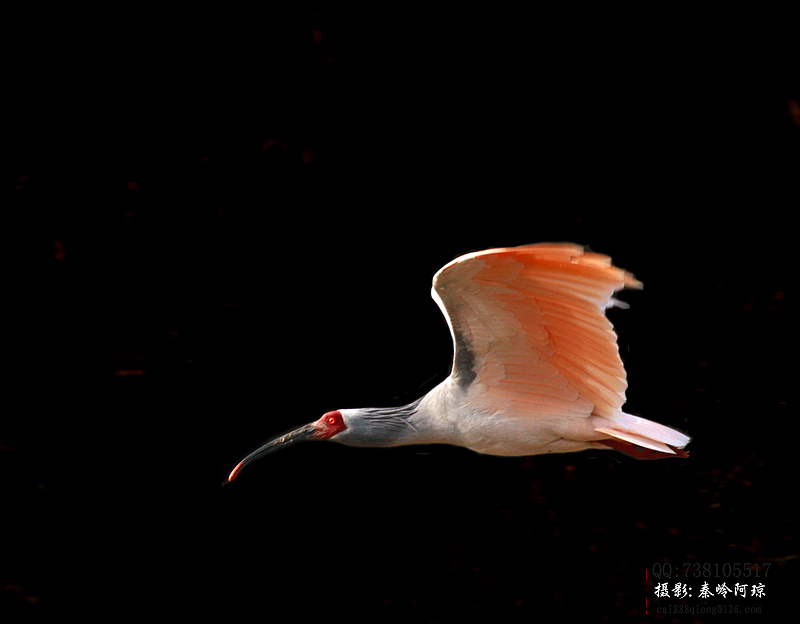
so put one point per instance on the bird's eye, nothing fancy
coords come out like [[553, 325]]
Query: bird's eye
[[331, 423], [332, 419]]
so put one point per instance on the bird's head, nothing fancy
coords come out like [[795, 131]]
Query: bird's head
[[329, 425], [372, 426]]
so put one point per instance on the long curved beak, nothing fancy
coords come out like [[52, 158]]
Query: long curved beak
[[298, 435]]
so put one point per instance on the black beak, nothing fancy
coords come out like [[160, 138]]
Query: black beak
[[298, 435]]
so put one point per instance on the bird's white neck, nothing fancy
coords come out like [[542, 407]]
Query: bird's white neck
[[424, 421]]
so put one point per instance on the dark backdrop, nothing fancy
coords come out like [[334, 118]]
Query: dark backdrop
[[223, 221]]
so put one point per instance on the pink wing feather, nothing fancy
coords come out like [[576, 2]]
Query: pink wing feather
[[532, 338]]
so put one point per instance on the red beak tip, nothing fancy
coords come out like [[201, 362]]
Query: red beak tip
[[233, 472]]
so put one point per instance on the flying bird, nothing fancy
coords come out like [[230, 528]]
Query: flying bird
[[536, 367]]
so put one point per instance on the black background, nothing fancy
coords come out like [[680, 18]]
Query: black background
[[223, 221]]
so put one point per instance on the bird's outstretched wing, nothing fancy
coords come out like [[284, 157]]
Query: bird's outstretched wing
[[530, 332]]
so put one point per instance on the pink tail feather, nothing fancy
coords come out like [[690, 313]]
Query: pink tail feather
[[632, 450], [642, 438]]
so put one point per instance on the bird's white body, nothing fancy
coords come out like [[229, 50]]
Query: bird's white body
[[536, 367], [443, 416]]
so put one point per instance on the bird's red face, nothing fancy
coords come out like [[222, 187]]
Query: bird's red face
[[328, 426]]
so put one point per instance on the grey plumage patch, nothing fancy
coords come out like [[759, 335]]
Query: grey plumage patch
[[464, 361], [391, 418]]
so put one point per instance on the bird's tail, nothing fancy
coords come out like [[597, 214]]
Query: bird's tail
[[642, 438]]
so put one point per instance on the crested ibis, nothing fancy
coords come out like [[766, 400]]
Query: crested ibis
[[536, 367]]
